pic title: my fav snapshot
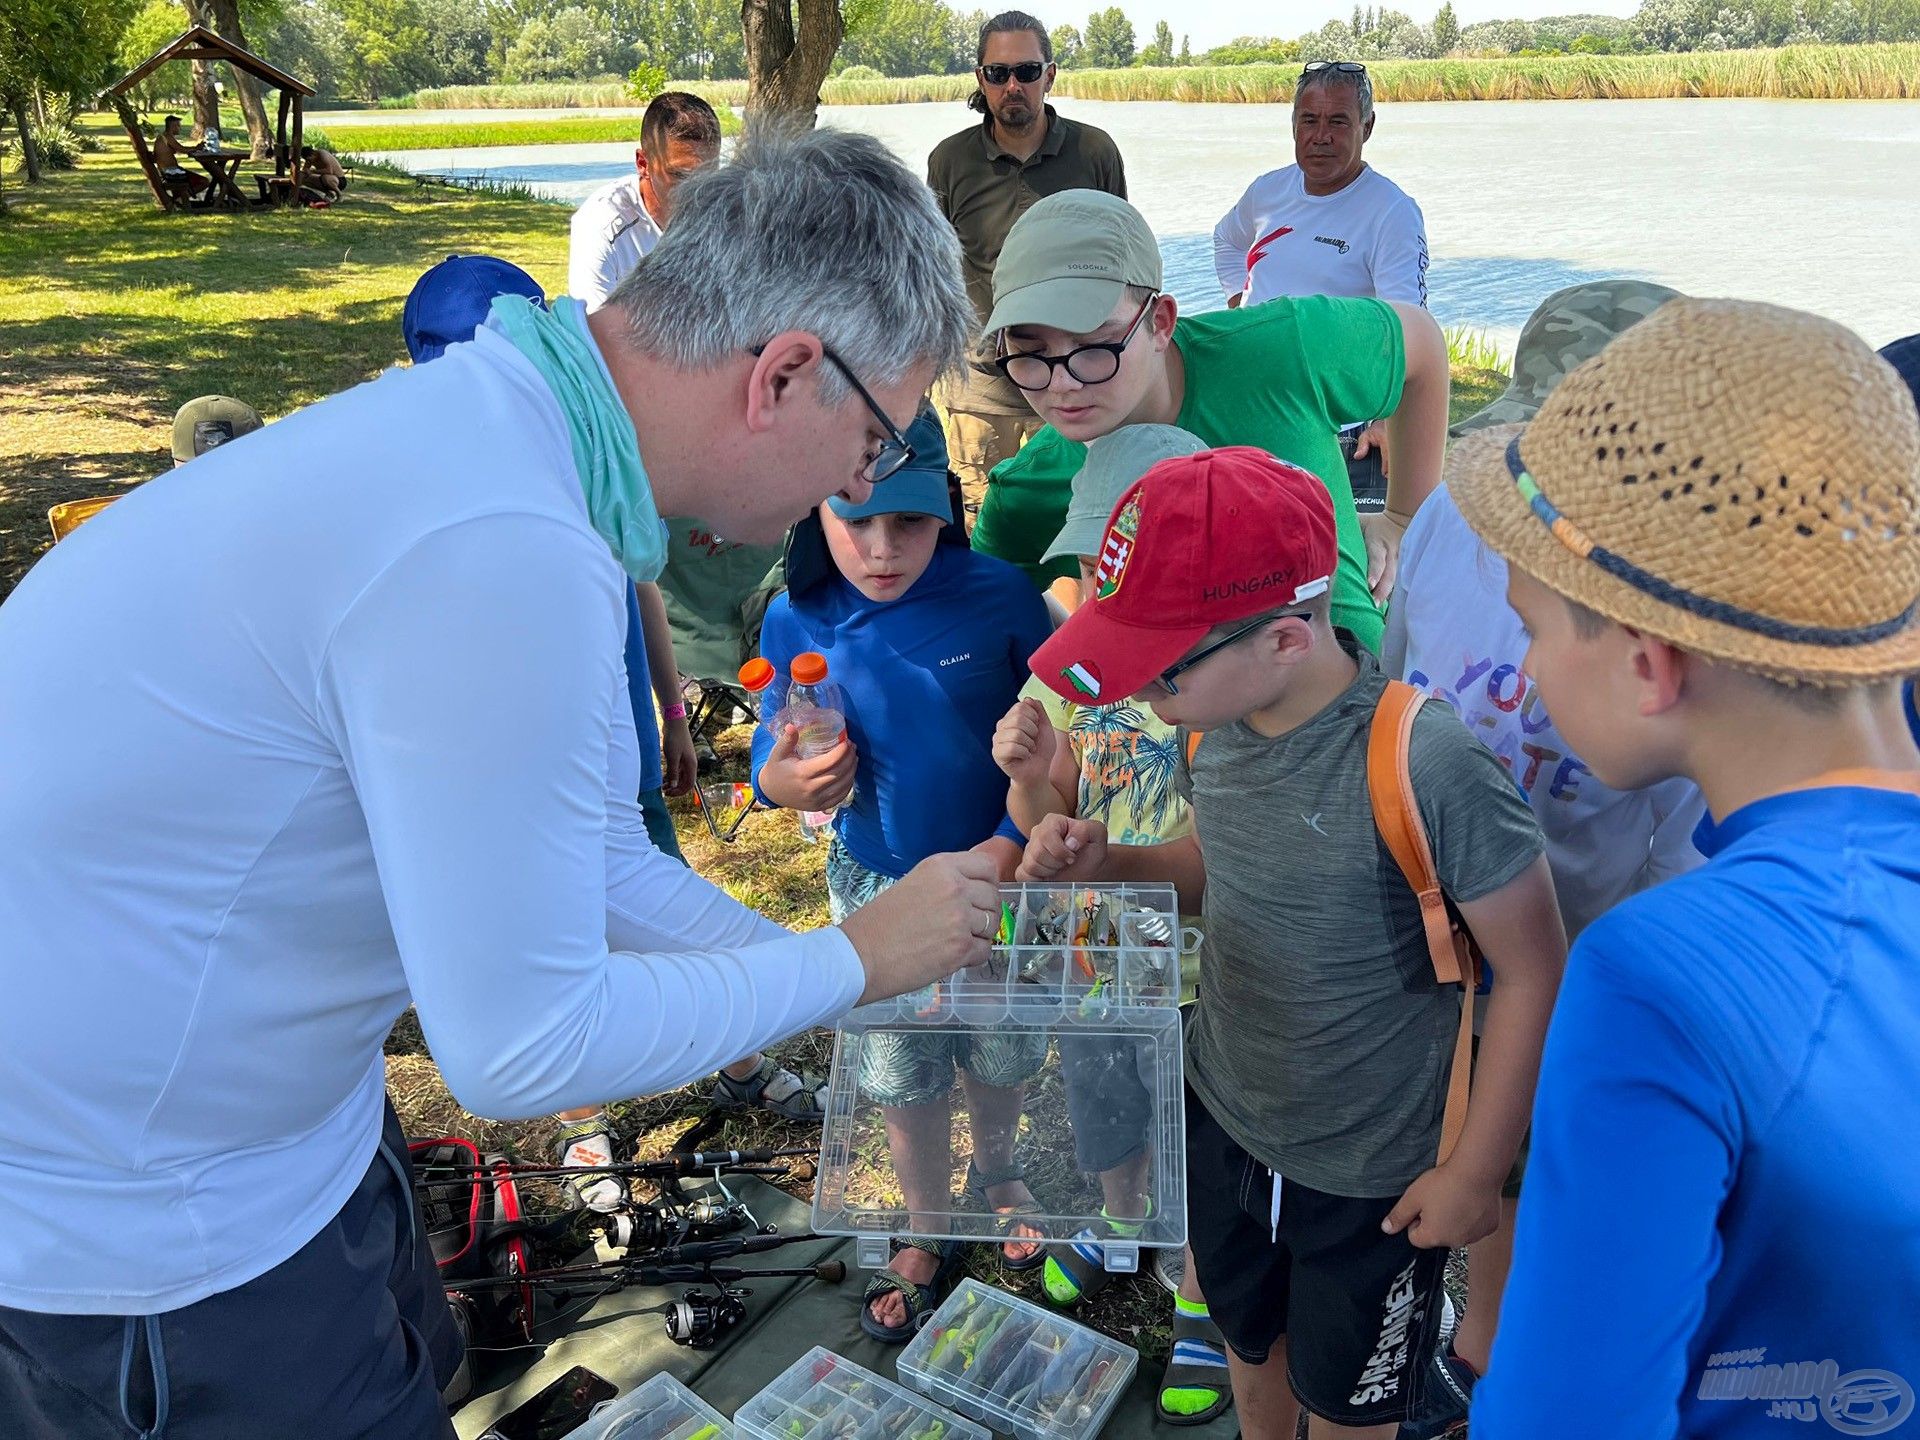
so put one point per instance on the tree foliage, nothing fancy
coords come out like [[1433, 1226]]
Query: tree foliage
[[1109, 40]]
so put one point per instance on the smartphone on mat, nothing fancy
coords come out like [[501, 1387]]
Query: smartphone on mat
[[557, 1410]]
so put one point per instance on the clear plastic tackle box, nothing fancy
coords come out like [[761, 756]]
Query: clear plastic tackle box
[[1070, 1038], [824, 1397], [661, 1409], [1021, 1369]]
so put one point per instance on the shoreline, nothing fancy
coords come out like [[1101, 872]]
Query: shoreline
[[1886, 71]]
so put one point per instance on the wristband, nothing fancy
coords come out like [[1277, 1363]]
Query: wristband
[[675, 711], [1402, 518]]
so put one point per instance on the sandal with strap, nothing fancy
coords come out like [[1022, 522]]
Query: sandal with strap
[[975, 1194], [774, 1088], [1082, 1261], [921, 1300], [1198, 1362]]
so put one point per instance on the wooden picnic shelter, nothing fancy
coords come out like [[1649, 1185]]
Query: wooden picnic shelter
[[200, 43]]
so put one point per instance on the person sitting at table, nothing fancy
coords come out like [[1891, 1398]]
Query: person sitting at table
[[322, 171], [167, 151]]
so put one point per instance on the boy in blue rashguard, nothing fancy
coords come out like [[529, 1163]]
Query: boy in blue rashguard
[[1712, 533], [928, 643]]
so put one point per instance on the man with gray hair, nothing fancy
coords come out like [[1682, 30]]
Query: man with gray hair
[[368, 745], [1328, 224], [984, 178]]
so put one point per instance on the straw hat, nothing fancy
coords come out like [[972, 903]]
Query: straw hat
[[1740, 480]]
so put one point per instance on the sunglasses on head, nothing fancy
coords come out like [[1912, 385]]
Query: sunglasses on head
[[1338, 67], [1026, 72]]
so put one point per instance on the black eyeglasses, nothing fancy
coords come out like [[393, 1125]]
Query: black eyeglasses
[[1338, 67], [1026, 72], [893, 453], [1167, 676], [1089, 364]]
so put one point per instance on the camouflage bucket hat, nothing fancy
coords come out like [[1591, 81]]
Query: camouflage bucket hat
[[1566, 330]]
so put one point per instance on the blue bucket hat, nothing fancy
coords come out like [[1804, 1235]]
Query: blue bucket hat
[[450, 301], [1904, 356], [918, 488]]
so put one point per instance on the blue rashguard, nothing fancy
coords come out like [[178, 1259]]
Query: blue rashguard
[[926, 679], [1721, 1230], [640, 692]]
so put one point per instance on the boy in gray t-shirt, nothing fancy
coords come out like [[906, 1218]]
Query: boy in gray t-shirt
[[1319, 1207]]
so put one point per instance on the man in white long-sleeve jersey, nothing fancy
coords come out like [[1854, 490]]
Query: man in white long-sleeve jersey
[[332, 720]]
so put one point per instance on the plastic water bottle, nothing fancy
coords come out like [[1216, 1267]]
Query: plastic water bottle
[[765, 694], [815, 705]]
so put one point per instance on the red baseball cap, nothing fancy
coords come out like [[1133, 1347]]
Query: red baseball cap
[[1199, 541]]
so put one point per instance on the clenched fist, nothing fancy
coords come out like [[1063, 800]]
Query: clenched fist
[[1063, 848], [940, 918], [821, 783], [1023, 744]]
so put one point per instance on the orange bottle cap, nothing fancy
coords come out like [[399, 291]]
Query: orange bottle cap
[[809, 668], [756, 675]]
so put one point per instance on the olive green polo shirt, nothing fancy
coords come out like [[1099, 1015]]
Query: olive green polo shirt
[[982, 190]]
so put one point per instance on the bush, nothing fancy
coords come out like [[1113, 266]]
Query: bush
[[58, 145], [859, 72], [645, 81]]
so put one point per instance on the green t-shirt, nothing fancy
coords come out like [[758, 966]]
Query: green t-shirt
[[1283, 376]]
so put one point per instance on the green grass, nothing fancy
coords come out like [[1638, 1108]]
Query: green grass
[[1471, 349], [561, 130], [1800, 72]]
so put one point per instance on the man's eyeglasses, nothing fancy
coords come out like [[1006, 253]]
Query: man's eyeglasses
[[1337, 67], [893, 453], [1172, 672], [1089, 364], [1026, 72]]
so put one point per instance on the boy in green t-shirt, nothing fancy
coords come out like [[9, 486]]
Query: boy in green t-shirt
[[1118, 764], [1322, 1190], [1086, 332]]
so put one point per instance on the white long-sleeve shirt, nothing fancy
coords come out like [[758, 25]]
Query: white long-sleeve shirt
[[1367, 240], [330, 721], [608, 236]]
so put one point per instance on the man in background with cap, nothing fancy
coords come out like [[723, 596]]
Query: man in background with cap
[[1322, 1187], [984, 178], [209, 422], [1451, 632], [622, 221], [1712, 534], [1084, 329]]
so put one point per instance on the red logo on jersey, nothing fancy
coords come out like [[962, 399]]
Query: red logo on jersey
[[1259, 250]]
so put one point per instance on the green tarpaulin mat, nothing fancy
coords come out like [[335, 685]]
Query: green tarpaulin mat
[[786, 1318]]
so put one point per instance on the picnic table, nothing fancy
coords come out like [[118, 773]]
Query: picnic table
[[222, 165]]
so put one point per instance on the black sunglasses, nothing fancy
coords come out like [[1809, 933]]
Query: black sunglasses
[[894, 453], [1339, 67], [1089, 364], [1026, 72], [1168, 675]]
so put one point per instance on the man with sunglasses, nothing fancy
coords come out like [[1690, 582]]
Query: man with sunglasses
[[984, 178], [1328, 224], [1084, 330]]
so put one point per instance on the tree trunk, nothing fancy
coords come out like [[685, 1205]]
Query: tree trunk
[[785, 63], [28, 150], [225, 22], [206, 100]]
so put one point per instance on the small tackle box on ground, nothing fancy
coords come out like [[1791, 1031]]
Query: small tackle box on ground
[[1078, 1008], [661, 1409], [1021, 1369], [824, 1397]]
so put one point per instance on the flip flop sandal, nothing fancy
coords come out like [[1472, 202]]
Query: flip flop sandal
[[978, 1183], [921, 1300], [771, 1088], [1191, 1335]]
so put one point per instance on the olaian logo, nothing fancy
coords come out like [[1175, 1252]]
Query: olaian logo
[[1860, 1402]]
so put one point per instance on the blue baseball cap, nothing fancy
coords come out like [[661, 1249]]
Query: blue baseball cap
[[450, 301], [1904, 356], [917, 488]]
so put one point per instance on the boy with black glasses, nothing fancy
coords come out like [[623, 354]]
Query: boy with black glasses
[[1083, 329]]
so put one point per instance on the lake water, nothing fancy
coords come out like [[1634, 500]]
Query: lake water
[[1814, 204]]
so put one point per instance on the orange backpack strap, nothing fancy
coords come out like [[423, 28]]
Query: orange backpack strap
[[1396, 813], [1194, 737]]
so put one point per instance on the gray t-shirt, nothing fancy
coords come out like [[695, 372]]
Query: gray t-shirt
[[1322, 1042]]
